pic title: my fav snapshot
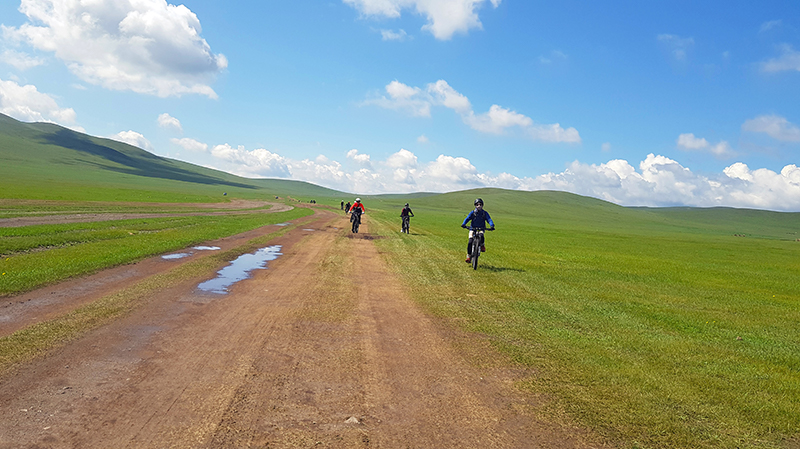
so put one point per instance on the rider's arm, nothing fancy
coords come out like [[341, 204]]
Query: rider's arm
[[469, 217], [489, 219]]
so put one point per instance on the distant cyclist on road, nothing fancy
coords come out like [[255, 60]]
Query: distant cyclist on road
[[355, 214], [406, 214], [478, 217]]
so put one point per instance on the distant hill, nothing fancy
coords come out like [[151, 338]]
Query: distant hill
[[48, 161]]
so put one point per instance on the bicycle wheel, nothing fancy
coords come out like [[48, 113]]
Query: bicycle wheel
[[476, 251]]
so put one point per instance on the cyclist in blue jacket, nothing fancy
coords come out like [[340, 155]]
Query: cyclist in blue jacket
[[479, 218]]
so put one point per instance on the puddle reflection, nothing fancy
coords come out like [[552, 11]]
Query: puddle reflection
[[176, 256], [240, 269], [205, 247]]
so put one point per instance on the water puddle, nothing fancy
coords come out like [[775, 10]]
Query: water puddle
[[308, 229], [240, 269], [185, 254], [176, 256], [284, 224]]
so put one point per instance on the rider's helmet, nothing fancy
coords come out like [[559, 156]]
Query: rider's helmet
[[478, 201], [358, 200], [406, 205]]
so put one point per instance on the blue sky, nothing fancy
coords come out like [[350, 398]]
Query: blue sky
[[654, 103]]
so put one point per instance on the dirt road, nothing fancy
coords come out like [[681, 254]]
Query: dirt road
[[322, 349]]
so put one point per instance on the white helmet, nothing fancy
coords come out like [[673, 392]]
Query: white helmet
[[358, 200]]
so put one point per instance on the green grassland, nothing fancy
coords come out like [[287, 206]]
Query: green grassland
[[654, 327], [673, 327], [49, 162]]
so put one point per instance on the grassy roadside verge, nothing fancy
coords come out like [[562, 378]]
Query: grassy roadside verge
[[39, 255], [43, 337], [650, 333]]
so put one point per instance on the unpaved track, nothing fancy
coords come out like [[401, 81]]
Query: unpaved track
[[283, 360]]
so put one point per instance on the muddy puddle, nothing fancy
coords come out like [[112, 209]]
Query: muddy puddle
[[186, 254], [240, 269]]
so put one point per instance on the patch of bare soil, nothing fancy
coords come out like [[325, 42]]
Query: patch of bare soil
[[258, 367], [233, 207]]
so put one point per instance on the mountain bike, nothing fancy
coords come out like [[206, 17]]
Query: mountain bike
[[356, 219], [477, 243], [406, 222]]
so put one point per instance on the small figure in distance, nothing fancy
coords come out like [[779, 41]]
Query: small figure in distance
[[347, 207], [355, 214], [406, 214], [342, 206], [478, 217]]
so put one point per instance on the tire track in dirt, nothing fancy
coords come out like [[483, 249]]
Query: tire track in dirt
[[323, 349]]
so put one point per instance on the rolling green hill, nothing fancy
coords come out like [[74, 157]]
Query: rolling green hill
[[47, 161]]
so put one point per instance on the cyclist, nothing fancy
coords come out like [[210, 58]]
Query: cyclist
[[478, 217], [355, 213], [405, 214]]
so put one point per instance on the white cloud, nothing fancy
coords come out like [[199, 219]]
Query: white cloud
[[775, 126], [26, 103], [661, 181], [445, 17], [133, 138], [145, 46], [789, 60], [391, 35], [766, 26], [259, 162], [190, 144], [606, 147], [22, 61], [555, 55], [359, 158], [677, 45], [658, 180], [688, 141], [497, 120], [167, 121], [422, 139]]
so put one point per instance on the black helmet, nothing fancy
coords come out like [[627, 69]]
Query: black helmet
[[406, 204], [478, 200]]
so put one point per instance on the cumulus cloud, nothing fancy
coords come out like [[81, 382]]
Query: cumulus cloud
[[418, 102], [167, 121], [677, 45], [391, 35], [133, 138], [789, 60], [775, 126], [190, 144], [145, 46], [27, 104], [422, 139], [22, 61], [688, 141], [359, 158], [657, 181], [445, 17]]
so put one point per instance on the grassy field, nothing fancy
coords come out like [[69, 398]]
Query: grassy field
[[672, 327], [654, 327], [34, 256]]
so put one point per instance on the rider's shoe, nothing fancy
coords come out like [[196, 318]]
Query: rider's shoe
[[468, 260], [483, 249]]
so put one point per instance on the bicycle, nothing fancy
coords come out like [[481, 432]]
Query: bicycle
[[406, 223], [356, 219], [477, 243]]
